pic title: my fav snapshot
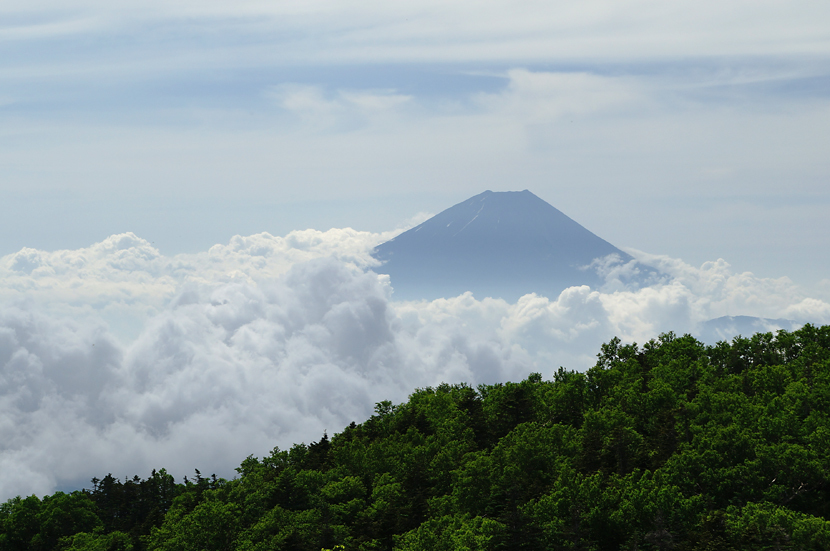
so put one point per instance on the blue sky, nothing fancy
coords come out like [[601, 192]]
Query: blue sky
[[696, 129]]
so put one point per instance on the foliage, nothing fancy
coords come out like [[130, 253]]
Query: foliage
[[672, 445]]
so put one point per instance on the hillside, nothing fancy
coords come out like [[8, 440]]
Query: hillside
[[672, 445]]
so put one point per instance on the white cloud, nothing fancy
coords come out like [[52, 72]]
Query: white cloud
[[64, 26], [271, 340], [545, 97], [690, 148], [343, 110], [125, 280], [467, 30]]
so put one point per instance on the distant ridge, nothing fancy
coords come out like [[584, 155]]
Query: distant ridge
[[498, 244], [726, 328]]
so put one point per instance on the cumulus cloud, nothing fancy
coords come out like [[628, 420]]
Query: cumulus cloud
[[126, 280], [271, 340]]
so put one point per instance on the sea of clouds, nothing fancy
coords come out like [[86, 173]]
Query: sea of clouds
[[118, 359]]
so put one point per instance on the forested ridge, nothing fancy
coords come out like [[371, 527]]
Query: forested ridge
[[672, 445]]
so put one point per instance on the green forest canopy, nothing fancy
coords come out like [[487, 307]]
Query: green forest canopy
[[672, 445]]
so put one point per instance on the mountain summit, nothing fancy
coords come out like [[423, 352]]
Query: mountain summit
[[498, 244]]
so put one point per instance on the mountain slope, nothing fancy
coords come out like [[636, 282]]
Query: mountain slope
[[501, 244]]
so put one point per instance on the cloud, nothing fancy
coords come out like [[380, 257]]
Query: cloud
[[343, 110], [700, 148], [545, 97], [126, 280], [271, 340], [48, 29], [228, 368], [369, 31]]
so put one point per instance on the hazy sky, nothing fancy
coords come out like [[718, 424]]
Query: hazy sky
[[148, 320], [697, 129]]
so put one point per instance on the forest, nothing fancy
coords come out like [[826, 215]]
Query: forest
[[668, 445]]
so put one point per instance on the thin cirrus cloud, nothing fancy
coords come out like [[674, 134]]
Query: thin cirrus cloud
[[356, 30], [343, 110], [534, 98], [272, 340]]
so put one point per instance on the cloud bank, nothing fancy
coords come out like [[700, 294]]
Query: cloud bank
[[116, 358]]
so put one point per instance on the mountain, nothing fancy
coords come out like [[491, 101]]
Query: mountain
[[727, 328], [498, 244]]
